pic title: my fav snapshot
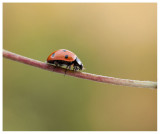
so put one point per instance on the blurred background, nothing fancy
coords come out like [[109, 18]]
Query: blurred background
[[117, 40]]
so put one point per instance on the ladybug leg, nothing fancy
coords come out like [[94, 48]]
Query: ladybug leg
[[59, 65], [70, 67], [74, 68], [67, 68], [78, 68], [55, 65]]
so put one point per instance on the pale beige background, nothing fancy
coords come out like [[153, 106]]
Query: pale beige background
[[118, 40]]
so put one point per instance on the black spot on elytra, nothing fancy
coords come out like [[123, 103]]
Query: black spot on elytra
[[53, 54], [66, 56], [64, 50]]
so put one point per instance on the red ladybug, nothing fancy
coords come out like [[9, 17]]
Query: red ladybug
[[65, 57]]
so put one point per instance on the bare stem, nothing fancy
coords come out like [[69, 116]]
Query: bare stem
[[83, 75]]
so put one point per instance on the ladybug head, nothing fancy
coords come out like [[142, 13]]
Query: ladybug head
[[81, 67], [79, 64]]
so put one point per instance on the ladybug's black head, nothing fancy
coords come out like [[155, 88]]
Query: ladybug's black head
[[81, 67], [79, 64]]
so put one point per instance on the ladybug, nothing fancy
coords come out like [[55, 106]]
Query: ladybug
[[65, 57]]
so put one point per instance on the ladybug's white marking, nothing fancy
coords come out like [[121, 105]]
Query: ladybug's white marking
[[79, 62]]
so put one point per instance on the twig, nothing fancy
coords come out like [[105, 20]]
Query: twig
[[83, 75]]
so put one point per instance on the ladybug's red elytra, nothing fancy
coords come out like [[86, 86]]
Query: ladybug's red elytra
[[65, 57]]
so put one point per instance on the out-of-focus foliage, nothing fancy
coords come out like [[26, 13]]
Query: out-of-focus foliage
[[118, 40]]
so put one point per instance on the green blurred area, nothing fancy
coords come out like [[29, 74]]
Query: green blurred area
[[118, 40]]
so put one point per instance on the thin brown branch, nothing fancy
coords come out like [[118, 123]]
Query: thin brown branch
[[83, 75]]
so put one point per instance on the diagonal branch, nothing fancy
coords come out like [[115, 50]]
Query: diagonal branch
[[83, 75]]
